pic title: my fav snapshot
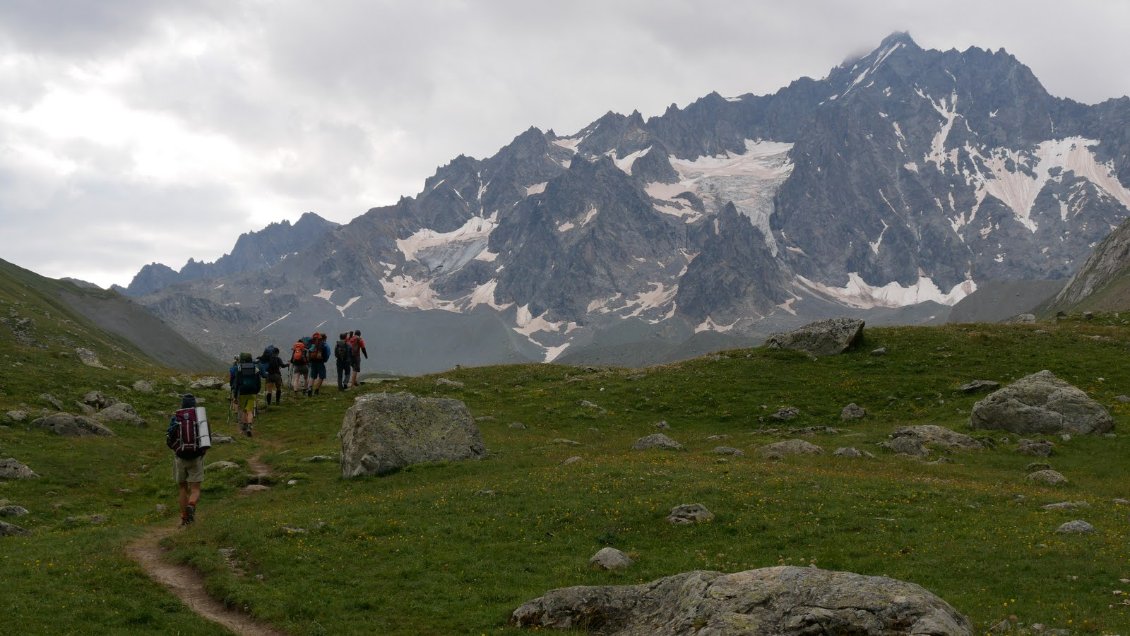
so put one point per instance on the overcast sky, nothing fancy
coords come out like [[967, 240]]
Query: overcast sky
[[139, 131]]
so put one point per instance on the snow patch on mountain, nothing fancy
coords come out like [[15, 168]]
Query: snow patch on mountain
[[324, 294], [710, 325], [626, 162], [341, 308], [449, 250], [858, 293], [750, 180], [537, 188]]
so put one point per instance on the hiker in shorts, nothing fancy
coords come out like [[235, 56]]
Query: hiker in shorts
[[357, 349], [343, 358], [244, 379], [188, 469], [273, 365], [300, 365], [318, 354]]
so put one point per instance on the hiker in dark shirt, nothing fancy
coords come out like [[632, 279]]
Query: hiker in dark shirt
[[319, 353], [273, 365], [244, 379], [343, 359]]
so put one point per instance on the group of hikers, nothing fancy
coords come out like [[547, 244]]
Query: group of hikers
[[307, 363]]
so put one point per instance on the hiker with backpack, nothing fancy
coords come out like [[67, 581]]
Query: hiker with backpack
[[300, 364], [273, 365], [318, 354], [188, 437], [357, 349], [342, 355], [244, 379]]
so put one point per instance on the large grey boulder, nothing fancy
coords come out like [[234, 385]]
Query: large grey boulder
[[384, 432], [11, 530], [69, 425], [120, 412], [823, 338], [777, 450], [10, 468], [1040, 403], [783, 601]]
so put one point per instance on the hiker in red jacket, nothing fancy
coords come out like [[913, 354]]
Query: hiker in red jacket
[[357, 349]]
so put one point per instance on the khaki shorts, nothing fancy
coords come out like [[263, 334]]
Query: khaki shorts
[[188, 470], [247, 402]]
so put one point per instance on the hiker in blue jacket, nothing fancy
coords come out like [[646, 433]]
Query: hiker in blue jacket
[[244, 379]]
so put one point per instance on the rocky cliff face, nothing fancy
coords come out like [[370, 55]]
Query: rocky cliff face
[[903, 179]]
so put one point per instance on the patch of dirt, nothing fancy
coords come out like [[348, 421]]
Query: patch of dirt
[[187, 584]]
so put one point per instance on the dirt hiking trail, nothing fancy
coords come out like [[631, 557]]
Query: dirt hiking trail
[[187, 584]]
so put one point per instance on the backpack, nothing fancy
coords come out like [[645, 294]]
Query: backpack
[[341, 351], [315, 352], [188, 435], [298, 354], [247, 378], [355, 347]]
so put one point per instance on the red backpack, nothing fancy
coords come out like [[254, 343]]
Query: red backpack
[[188, 434]]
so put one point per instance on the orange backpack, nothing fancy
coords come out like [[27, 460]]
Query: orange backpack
[[298, 355]]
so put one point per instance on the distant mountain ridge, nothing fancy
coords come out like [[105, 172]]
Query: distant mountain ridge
[[888, 190], [253, 251]]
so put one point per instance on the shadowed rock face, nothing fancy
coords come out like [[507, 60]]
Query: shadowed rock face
[[780, 600], [384, 432], [1041, 403]]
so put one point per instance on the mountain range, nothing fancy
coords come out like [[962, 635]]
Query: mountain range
[[890, 190]]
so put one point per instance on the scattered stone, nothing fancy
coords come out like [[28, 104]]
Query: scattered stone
[[585, 404], [564, 442], [852, 452], [572, 460], [1037, 466], [610, 559], [1123, 398], [656, 440], [254, 488], [783, 600], [1022, 319], [485, 492], [778, 450], [69, 425], [1041, 403], [11, 530], [53, 401], [1119, 501], [484, 418], [97, 399], [89, 358], [208, 382], [717, 438], [314, 459], [881, 351], [687, 514], [222, 439], [917, 441], [786, 413], [121, 412], [977, 386], [853, 412], [86, 408], [12, 469], [1075, 527], [291, 531], [1066, 505], [454, 384], [822, 338], [1047, 477], [13, 511], [16, 416], [662, 425], [518, 426], [1035, 448], [143, 386], [728, 450], [384, 432], [221, 465]]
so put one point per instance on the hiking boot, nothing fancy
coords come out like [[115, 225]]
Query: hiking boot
[[189, 514]]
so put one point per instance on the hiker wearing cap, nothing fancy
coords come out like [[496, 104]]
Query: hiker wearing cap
[[319, 353], [188, 461], [357, 349]]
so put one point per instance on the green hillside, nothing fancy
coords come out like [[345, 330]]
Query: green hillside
[[454, 548]]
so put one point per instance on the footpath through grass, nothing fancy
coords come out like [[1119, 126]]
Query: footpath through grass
[[454, 548]]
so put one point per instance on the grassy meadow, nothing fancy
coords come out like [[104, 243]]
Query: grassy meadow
[[454, 548]]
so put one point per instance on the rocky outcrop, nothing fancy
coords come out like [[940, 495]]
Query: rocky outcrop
[[777, 450], [918, 440], [822, 338], [384, 432], [656, 440], [784, 601], [122, 413], [69, 425], [1041, 403], [12, 469]]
